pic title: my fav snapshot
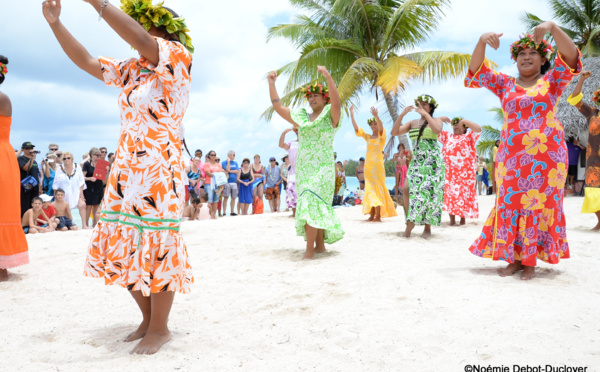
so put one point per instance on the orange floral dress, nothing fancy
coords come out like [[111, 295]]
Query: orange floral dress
[[137, 244], [13, 249], [528, 220]]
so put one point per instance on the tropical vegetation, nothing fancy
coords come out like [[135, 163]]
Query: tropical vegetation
[[490, 134]]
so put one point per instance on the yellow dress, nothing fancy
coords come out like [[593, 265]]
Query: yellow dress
[[376, 193]]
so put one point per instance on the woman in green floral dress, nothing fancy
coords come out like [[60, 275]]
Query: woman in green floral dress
[[315, 168]]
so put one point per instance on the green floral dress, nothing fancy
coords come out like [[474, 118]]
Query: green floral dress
[[315, 175]]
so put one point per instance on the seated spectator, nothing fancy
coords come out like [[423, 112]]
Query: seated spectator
[[48, 173], [31, 172], [49, 211], [63, 212], [273, 176], [191, 212], [204, 213], [28, 222]]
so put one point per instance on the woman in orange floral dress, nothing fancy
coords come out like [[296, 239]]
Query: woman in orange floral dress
[[13, 245], [591, 202], [137, 244], [528, 220]]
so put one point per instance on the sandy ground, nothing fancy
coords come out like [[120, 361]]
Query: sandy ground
[[374, 302]]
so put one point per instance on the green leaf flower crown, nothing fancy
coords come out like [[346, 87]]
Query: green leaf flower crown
[[3, 69], [147, 14], [427, 99], [596, 97], [371, 120], [457, 120], [319, 89], [544, 48]]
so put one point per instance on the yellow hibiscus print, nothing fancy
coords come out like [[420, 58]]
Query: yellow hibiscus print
[[551, 119], [500, 174], [534, 141], [533, 200], [557, 176], [547, 219], [540, 88]]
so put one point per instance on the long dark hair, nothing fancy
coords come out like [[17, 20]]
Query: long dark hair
[[3, 60], [432, 107]]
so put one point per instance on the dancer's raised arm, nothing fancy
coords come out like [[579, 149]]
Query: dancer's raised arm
[[283, 111], [583, 77], [336, 103], [375, 114], [353, 121], [564, 44], [399, 128], [282, 143], [490, 38], [471, 125]]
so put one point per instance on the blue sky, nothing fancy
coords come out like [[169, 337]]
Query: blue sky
[[54, 101]]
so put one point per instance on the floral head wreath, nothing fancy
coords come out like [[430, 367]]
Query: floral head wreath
[[3, 69], [596, 97], [318, 89], [457, 120], [371, 120], [427, 99], [544, 48], [147, 15]]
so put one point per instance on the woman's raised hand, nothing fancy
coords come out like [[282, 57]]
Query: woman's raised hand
[[585, 74], [374, 112], [541, 30], [272, 77], [51, 10], [408, 109], [492, 39], [445, 119], [322, 70]]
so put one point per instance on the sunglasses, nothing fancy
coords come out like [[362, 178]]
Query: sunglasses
[[68, 158], [53, 149], [59, 155], [104, 152]]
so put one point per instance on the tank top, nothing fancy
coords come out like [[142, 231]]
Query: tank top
[[193, 176], [245, 176]]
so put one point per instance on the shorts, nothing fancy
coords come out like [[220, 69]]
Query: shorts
[[64, 221], [230, 189], [272, 193], [25, 229], [212, 194], [480, 177], [573, 170]]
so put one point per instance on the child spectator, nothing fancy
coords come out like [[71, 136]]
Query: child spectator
[[204, 210], [191, 212], [63, 212], [32, 215], [49, 211]]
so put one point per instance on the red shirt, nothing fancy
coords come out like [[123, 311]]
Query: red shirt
[[49, 213]]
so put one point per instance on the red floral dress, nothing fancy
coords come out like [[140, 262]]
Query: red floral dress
[[460, 157], [528, 220]]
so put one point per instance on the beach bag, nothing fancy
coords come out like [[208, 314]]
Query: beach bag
[[29, 183], [219, 179], [257, 206]]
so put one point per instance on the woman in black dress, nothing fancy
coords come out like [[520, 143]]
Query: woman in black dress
[[94, 188]]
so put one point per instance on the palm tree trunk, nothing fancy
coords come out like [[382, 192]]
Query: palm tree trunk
[[390, 147]]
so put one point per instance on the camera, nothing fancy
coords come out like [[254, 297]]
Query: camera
[[36, 152]]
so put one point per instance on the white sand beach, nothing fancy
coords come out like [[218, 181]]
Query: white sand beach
[[374, 302]]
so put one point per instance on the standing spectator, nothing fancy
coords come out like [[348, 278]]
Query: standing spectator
[[111, 158], [480, 167], [360, 173], [210, 167], [574, 148], [69, 177], [233, 169], [193, 176], [30, 170], [245, 178], [94, 190], [103, 153], [48, 173], [53, 147], [292, 149], [59, 158], [258, 186], [13, 250], [285, 168], [273, 175], [496, 146]]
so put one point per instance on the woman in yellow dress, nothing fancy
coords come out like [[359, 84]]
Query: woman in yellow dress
[[376, 201]]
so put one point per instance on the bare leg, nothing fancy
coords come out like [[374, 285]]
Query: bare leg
[[371, 214], [511, 269], [409, 226], [311, 237], [158, 332], [452, 220], [377, 214], [224, 204], [88, 212], [84, 219], [232, 206], [96, 216], [320, 241], [463, 221], [3, 275], [426, 232], [597, 227], [528, 273], [145, 306], [405, 198]]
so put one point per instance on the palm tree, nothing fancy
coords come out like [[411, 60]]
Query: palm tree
[[580, 19], [489, 134], [366, 46]]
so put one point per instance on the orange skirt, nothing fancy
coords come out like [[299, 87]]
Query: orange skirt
[[13, 250]]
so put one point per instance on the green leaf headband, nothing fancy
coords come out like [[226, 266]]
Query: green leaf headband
[[371, 120], [427, 99], [147, 15], [457, 120], [544, 48], [317, 88]]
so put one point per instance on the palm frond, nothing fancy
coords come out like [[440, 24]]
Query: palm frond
[[396, 73], [440, 65], [498, 115], [356, 78], [485, 148], [305, 30], [592, 47]]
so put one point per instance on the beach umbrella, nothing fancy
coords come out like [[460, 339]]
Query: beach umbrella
[[573, 122]]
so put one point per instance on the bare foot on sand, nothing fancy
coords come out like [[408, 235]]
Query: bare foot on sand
[[409, 227], [510, 269], [426, 232], [377, 219], [597, 227], [3, 275], [528, 273], [139, 333], [152, 342], [463, 221], [320, 249]]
